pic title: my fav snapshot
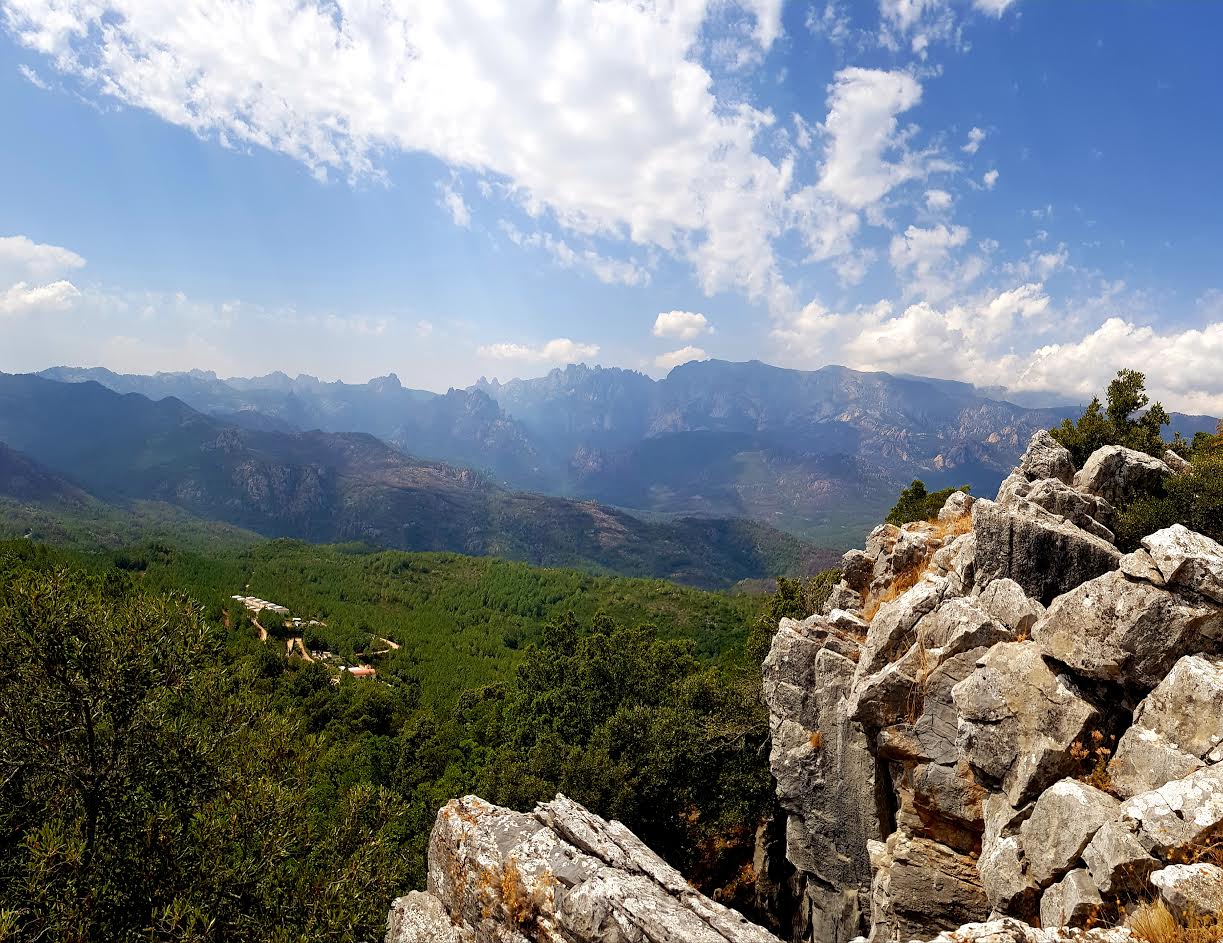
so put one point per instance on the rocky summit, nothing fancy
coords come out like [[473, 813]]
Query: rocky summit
[[1000, 727]]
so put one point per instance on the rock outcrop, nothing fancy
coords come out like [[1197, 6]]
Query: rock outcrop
[[998, 722], [559, 874], [1017, 719]]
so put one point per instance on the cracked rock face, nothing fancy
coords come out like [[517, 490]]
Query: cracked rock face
[[1113, 628], [557, 874]]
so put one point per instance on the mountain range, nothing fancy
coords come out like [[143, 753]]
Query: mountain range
[[64, 440], [819, 454]]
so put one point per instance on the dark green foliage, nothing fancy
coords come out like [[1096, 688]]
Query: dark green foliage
[[1122, 421], [147, 794], [917, 504], [251, 798], [1194, 499]]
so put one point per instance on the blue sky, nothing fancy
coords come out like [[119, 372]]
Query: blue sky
[[1009, 192]]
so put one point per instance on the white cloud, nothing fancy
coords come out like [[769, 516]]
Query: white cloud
[[606, 269], [1182, 367], [923, 256], [993, 7], [685, 325], [599, 114], [990, 178], [975, 137], [22, 258], [675, 358], [938, 200], [452, 201], [863, 105], [559, 350], [21, 298]]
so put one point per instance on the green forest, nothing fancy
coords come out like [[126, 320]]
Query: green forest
[[168, 776]]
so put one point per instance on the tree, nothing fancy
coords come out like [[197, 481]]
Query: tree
[[916, 504], [1128, 419]]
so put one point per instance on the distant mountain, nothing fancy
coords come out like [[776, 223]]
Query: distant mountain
[[818, 453], [23, 479], [331, 487]]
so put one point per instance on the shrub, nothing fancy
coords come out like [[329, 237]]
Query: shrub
[[917, 504], [1128, 419]]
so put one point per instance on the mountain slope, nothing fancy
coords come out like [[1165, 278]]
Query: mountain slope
[[336, 487]]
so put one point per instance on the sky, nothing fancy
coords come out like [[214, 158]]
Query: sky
[[1015, 193]]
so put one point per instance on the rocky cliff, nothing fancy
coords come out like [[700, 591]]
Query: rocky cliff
[[1000, 714], [1001, 729]]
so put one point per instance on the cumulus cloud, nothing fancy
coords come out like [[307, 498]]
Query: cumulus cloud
[[559, 350], [938, 200], [675, 358], [23, 258], [975, 137], [990, 178], [600, 114], [862, 127], [685, 325], [21, 298], [993, 7], [1182, 366]]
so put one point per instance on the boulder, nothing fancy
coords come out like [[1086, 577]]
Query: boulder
[[958, 504], [1085, 511], [857, 570], [1179, 815], [1042, 552], [1139, 566], [563, 873], [1117, 861], [844, 598], [1004, 871], [1065, 818], [1046, 458], [421, 918], [824, 772], [1071, 902], [893, 630], [1118, 474], [954, 561], [922, 886], [1174, 461], [1188, 559], [1005, 601], [1186, 708], [1019, 719], [1145, 760], [1114, 629], [1010, 930], [1191, 889]]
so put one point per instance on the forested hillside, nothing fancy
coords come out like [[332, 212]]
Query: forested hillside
[[234, 792]]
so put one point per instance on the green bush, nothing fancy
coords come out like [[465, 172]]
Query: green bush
[[1129, 419], [917, 504]]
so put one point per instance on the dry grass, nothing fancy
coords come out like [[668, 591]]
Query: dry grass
[[1156, 923], [1093, 760], [943, 532], [816, 739]]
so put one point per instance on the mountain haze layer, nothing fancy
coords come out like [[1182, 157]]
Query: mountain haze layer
[[327, 487]]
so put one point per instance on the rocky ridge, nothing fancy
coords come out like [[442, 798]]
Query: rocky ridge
[[999, 729], [1000, 715]]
